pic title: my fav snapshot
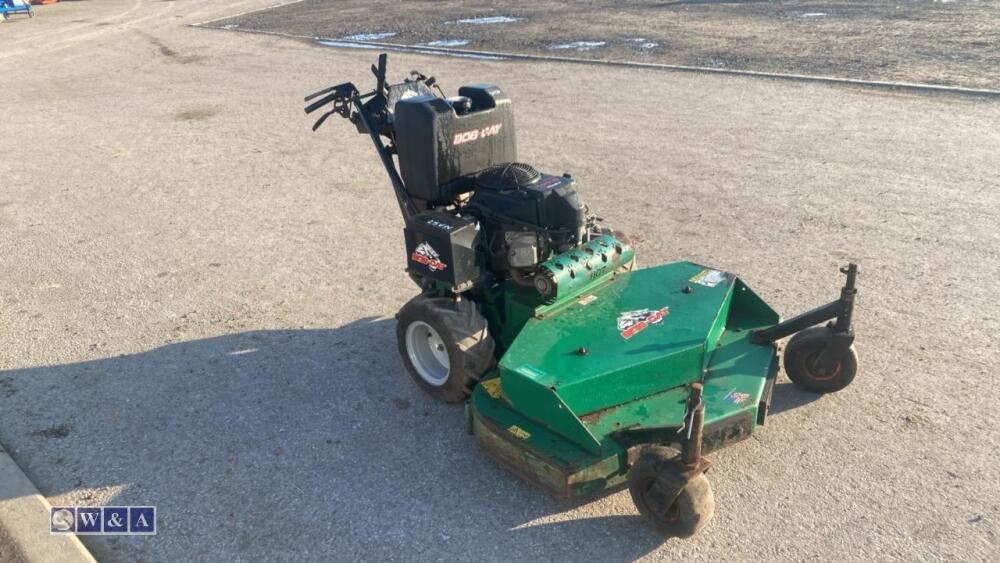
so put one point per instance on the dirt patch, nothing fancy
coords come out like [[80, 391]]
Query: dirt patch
[[60, 431], [197, 114], [949, 43], [170, 53], [7, 387]]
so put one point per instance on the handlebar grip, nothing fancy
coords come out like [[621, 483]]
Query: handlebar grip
[[322, 102], [320, 93]]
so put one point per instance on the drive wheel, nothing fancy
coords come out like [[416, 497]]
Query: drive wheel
[[445, 345], [800, 358], [677, 506]]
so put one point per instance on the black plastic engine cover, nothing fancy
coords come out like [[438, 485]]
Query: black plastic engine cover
[[439, 150], [442, 247], [548, 202]]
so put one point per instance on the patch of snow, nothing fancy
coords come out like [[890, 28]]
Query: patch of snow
[[449, 42], [347, 44], [578, 46], [407, 49], [474, 56], [813, 15], [369, 36], [486, 20]]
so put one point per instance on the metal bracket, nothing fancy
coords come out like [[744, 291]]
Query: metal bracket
[[841, 310]]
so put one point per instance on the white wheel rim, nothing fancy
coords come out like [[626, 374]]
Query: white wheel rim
[[427, 353]]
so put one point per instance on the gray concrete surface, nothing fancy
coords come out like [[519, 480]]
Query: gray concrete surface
[[24, 523], [196, 296]]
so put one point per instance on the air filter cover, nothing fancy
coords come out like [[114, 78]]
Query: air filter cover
[[508, 176]]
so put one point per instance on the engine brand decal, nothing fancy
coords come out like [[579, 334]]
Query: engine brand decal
[[597, 272], [519, 433], [439, 224], [426, 255], [708, 278], [631, 323], [476, 134]]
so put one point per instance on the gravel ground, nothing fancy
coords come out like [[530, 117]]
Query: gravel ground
[[8, 551], [197, 292], [927, 41]]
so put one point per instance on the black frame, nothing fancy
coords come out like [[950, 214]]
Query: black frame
[[842, 333], [370, 117]]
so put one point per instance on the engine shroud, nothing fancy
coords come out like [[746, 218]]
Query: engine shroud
[[449, 147], [531, 198]]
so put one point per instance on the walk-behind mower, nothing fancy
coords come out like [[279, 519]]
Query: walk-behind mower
[[579, 372]]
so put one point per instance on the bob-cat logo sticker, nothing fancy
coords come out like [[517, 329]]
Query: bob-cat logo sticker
[[631, 323], [426, 255], [476, 134]]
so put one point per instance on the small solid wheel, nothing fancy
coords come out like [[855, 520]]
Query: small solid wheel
[[677, 506], [445, 345], [801, 354]]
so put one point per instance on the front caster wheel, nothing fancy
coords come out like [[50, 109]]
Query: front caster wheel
[[801, 366], [678, 506]]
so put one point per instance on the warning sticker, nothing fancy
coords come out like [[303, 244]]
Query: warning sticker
[[709, 278], [492, 387], [519, 432]]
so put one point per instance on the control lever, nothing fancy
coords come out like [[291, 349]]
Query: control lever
[[379, 73], [324, 91], [342, 96]]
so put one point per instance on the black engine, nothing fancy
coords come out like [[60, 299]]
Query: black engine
[[527, 215], [472, 210], [458, 157]]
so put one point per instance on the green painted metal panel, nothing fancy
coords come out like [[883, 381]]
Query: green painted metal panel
[[619, 365], [563, 406], [537, 454], [737, 373], [576, 271], [736, 379], [749, 311], [544, 404], [508, 305]]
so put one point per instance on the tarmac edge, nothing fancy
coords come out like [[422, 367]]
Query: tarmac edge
[[24, 516]]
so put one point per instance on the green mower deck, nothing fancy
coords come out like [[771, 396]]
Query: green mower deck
[[581, 391]]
